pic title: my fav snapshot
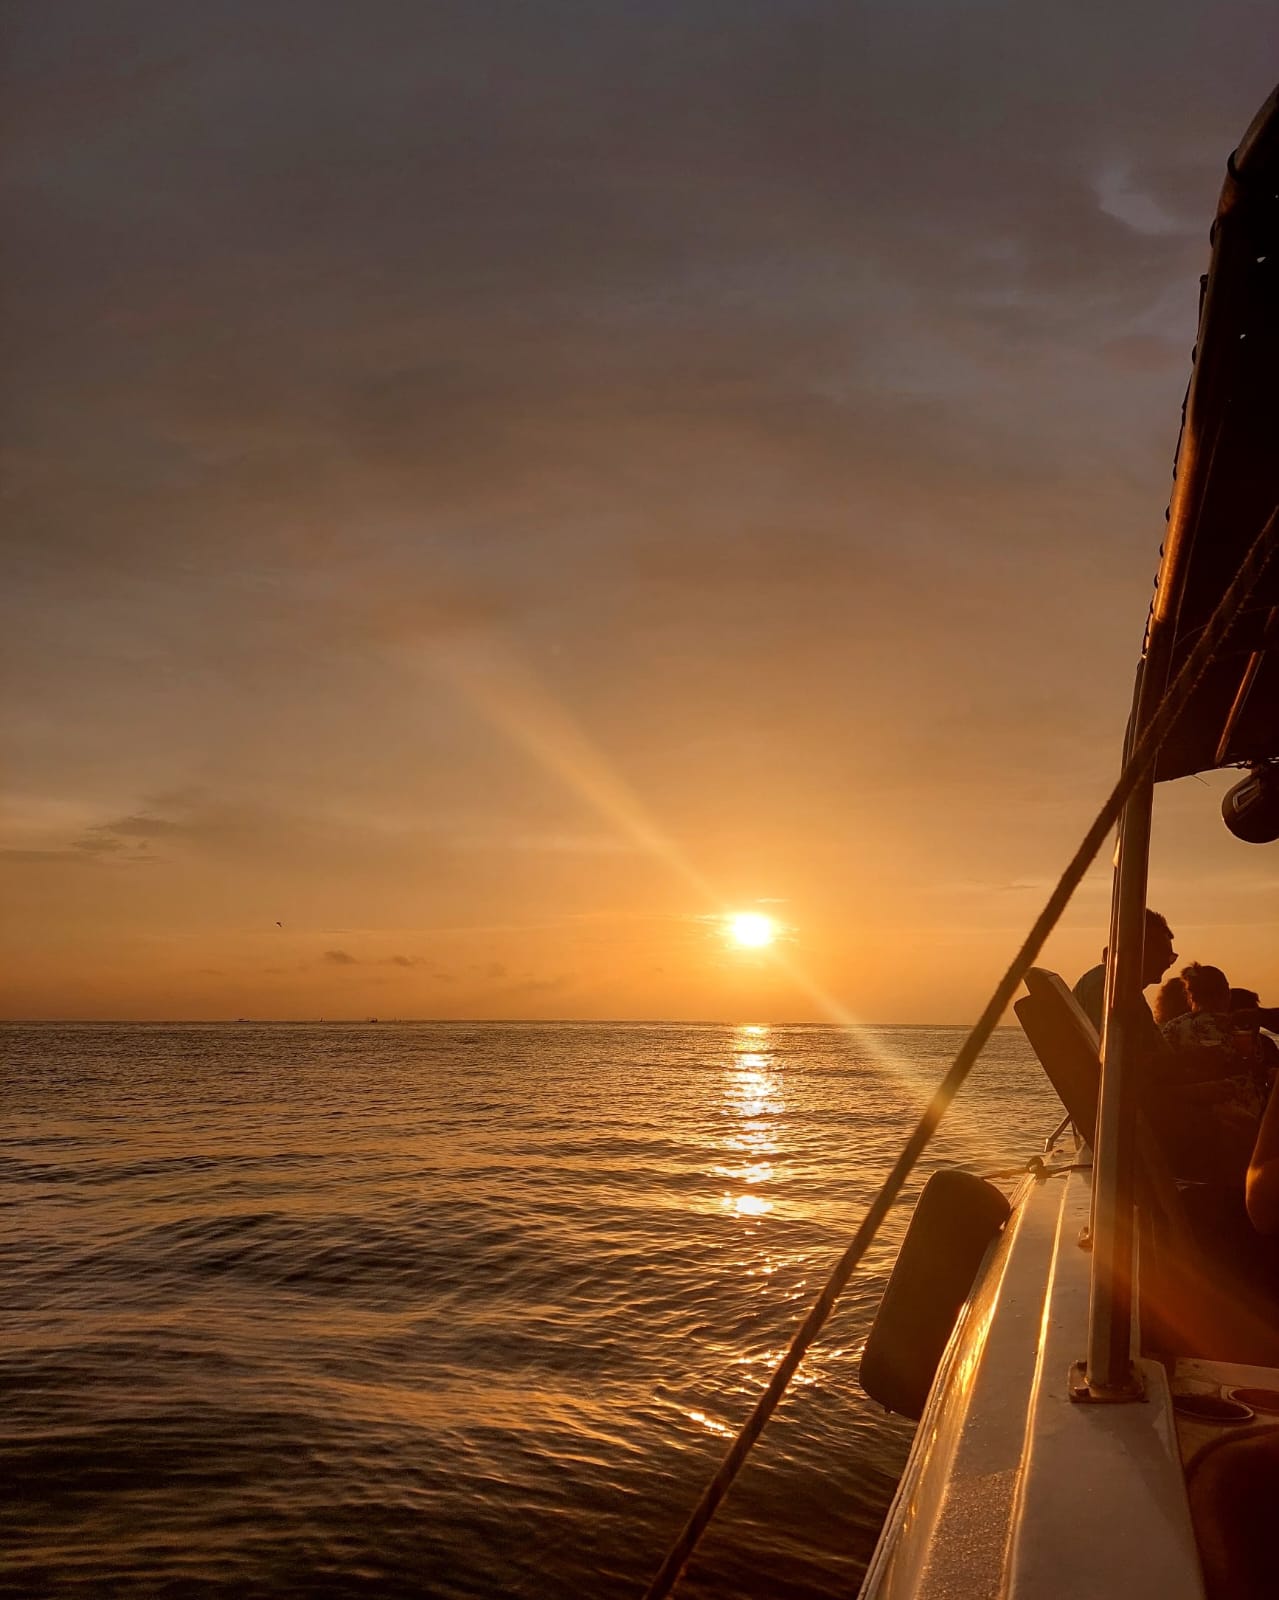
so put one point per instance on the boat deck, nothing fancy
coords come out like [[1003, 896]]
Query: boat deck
[[1012, 1488]]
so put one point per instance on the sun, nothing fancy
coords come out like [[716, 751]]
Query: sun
[[752, 929]]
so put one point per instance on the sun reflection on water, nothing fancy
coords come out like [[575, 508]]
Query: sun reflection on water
[[720, 1429], [752, 1103], [756, 1369]]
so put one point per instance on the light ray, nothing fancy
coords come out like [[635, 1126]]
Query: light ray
[[489, 678]]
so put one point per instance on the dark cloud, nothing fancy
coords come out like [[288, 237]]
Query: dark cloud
[[288, 293], [37, 857], [647, 298], [554, 985], [140, 828], [206, 824], [341, 958], [91, 848], [95, 844]]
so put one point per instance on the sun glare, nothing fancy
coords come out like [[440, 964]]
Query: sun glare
[[752, 929]]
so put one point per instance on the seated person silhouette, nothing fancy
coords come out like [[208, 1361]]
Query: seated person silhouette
[[1157, 956], [1246, 1013], [1229, 1089], [1171, 1001]]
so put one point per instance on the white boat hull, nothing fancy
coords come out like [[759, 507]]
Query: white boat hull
[[1012, 1488]]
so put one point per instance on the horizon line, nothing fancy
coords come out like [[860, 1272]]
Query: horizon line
[[454, 1022]]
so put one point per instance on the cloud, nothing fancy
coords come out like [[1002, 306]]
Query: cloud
[[341, 958], [139, 828], [127, 840], [555, 985], [1120, 197], [375, 282], [83, 852], [97, 844], [241, 830], [403, 961], [37, 857]]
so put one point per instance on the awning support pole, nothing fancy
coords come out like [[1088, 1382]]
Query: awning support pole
[[1108, 1369]]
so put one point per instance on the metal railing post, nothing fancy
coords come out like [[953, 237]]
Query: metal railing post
[[1108, 1369]]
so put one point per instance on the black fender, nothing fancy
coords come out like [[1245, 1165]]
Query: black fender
[[957, 1218]]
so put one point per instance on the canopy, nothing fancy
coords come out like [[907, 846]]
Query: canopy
[[1226, 478]]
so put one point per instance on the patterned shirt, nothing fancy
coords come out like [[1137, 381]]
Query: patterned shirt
[[1242, 1085]]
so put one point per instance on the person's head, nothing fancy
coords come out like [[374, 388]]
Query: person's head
[[1171, 1001], [1244, 999], [1158, 954], [1208, 987]]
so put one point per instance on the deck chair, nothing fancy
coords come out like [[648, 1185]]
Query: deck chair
[[1069, 1051], [1066, 1043]]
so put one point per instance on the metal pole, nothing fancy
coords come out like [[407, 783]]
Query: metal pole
[[1112, 935], [1108, 1368]]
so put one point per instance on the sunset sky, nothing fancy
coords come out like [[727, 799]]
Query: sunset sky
[[494, 489]]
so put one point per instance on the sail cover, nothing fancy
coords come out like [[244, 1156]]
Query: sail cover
[[1226, 479]]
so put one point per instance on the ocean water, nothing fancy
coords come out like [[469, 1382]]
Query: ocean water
[[450, 1310]]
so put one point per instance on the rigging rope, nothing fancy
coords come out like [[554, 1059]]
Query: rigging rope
[[1170, 708]]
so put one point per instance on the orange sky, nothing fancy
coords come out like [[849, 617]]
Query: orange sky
[[493, 493]]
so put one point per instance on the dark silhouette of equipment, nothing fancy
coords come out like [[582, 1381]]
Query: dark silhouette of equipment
[[1251, 809]]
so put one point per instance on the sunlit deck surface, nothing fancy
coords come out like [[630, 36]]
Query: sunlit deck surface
[[1012, 1487]]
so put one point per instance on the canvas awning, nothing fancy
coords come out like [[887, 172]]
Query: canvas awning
[[1227, 477]]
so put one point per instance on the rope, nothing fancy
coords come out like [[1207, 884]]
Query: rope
[[1034, 1168], [1170, 708]]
